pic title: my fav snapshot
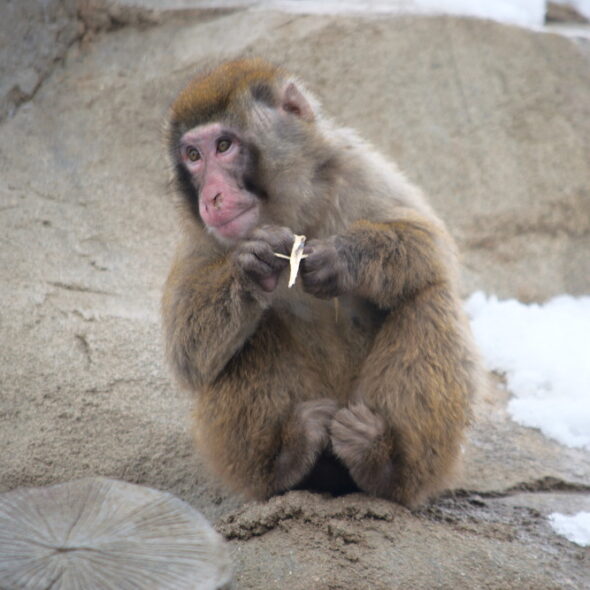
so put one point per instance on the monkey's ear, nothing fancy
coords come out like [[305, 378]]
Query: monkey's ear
[[293, 101]]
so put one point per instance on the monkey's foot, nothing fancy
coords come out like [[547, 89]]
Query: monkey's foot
[[305, 437], [357, 436]]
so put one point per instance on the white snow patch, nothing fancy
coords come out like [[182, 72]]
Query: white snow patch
[[575, 528], [520, 12], [527, 13], [544, 352]]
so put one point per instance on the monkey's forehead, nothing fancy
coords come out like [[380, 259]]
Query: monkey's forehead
[[217, 94]]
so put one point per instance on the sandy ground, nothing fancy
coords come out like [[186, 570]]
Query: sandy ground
[[494, 123]]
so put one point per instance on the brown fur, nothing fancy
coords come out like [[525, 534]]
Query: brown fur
[[212, 93], [281, 380]]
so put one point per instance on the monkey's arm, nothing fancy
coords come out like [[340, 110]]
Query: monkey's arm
[[208, 315], [211, 307], [380, 262]]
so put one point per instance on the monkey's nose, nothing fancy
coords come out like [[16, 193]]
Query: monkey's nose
[[217, 201]]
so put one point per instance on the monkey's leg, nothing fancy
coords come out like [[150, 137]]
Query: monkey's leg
[[400, 437], [262, 424], [263, 450]]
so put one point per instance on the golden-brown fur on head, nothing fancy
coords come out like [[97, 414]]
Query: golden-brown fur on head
[[210, 94]]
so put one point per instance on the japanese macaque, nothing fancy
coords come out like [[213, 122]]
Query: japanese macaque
[[361, 376]]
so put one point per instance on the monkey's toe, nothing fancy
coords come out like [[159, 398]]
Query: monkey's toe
[[357, 424]]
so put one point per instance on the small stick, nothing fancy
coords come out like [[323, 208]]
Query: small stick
[[295, 258]]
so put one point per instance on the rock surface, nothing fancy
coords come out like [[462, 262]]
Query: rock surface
[[493, 121]]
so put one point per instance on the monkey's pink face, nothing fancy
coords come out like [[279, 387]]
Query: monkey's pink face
[[216, 160]]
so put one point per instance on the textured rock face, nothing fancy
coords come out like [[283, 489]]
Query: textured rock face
[[493, 122], [33, 36]]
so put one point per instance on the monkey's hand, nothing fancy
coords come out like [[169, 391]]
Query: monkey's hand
[[359, 439], [325, 271], [255, 257], [305, 436]]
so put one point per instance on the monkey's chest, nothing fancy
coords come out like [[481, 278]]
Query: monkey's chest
[[333, 336]]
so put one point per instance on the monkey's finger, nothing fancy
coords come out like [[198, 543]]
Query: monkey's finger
[[279, 238], [257, 271], [321, 410], [311, 247], [319, 255], [314, 263], [252, 265], [357, 421], [254, 260], [348, 443], [315, 417], [264, 251]]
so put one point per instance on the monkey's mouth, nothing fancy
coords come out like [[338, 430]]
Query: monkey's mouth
[[239, 225]]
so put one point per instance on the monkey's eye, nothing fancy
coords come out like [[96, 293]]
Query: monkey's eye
[[223, 145], [192, 154]]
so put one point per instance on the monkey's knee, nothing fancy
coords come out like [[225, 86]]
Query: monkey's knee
[[384, 462]]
